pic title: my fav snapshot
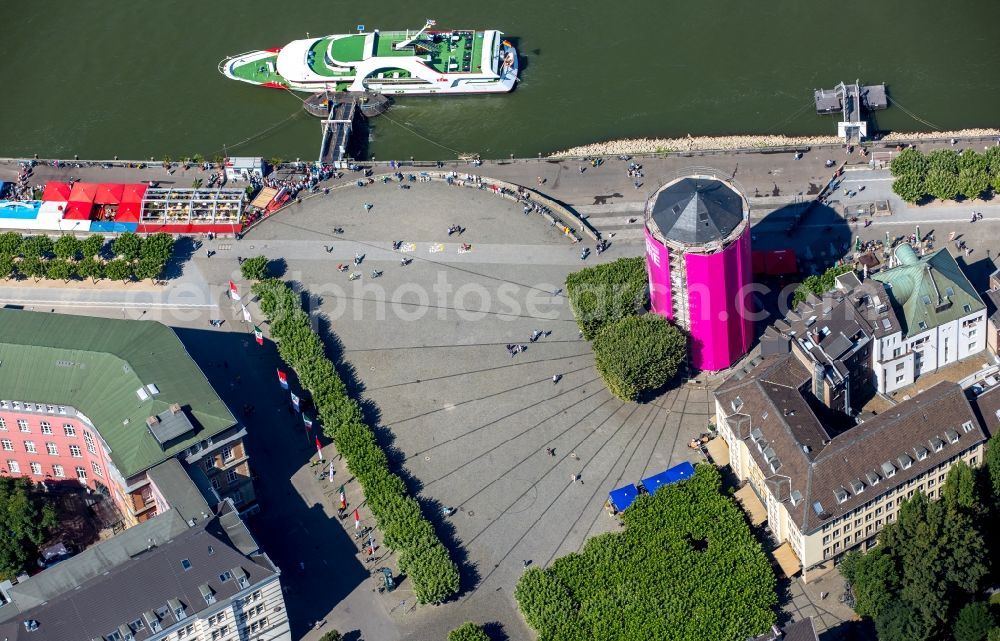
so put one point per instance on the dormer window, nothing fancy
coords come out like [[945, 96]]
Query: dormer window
[[936, 444], [888, 469], [872, 477], [841, 494], [796, 498], [967, 427], [737, 404], [905, 461], [921, 452], [775, 465], [206, 593], [952, 436], [769, 454], [857, 486], [176, 609]]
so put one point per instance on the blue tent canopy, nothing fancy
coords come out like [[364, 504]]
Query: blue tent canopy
[[623, 497], [676, 473]]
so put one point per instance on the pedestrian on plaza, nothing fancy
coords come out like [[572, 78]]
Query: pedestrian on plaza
[[549, 451], [556, 378]]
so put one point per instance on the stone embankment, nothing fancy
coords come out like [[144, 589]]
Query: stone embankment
[[712, 143]]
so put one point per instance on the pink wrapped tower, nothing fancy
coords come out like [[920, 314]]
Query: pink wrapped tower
[[698, 260]]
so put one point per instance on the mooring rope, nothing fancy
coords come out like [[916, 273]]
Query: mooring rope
[[259, 134], [419, 135], [915, 116]]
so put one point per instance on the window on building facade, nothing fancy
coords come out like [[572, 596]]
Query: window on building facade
[[255, 596], [46, 427], [97, 469], [74, 451], [7, 444], [227, 454], [209, 463], [216, 484], [231, 476], [69, 430], [3, 424], [58, 471], [88, 438], [899, 367], [36, 468], [258, 625], [29, 447], [52, 449], [22, 425], [899, 379], [14, 467], [81, 473]]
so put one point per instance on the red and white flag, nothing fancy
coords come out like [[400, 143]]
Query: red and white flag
[[357, 520], [319, 449], [233, 292], [282, 379]]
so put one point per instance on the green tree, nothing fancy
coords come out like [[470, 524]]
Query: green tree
[[993, 462], [960, 491], [909, 162], [10, 243], [118, 269], [899, 621], [638, 354], [158, 247], [254, 268], [36, 246], [945, 160], [127, 246], [148, 268], [92, 245], [972, 183], [992, 157], [874, 580], [67, 247], [331, 635], [91, 268], [25, 521], [941, 184], [468, 631], [60, 269], [6, 266], [974, 622], [969, 160], [606, 293], [721, 592], [909, 187], [32, 267], [819, 284]]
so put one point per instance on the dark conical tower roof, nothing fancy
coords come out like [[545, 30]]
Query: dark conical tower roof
[[697, 211]]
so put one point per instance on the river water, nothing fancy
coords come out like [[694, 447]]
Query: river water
[[139, 79]]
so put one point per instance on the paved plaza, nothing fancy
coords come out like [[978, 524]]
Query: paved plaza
[[467, 425]]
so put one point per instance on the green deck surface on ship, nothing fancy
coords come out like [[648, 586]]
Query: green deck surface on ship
[[259, 71], [351, 49]]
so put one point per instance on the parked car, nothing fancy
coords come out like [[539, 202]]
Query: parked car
[[55, 554]]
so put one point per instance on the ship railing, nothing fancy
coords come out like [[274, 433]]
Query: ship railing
[[225, 61]]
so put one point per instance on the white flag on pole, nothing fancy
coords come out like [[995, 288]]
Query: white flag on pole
[[331, 471], [246, 314]]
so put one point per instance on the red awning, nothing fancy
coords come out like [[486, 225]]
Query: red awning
[[56, 191], [78, 211], [128, 212], [131, 203], [83, 192], [133, 193], [81, 202], [109, 194]]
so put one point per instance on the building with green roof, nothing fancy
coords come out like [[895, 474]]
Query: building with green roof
[[942, 317], [104, 401]]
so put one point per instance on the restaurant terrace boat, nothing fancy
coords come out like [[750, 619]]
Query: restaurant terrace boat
[[425, 62]]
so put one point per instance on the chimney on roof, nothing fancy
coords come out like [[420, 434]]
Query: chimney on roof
[[152, 420], [175, 408]]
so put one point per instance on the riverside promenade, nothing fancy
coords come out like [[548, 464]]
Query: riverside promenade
[[605, 196]]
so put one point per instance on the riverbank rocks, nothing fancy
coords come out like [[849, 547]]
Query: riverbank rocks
[[712, 143]]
